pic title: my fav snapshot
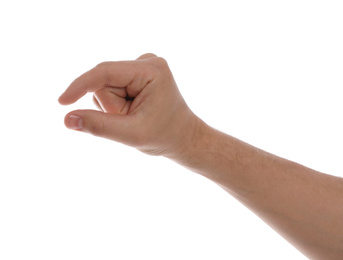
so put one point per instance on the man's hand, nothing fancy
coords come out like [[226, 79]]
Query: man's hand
[[140, 105]]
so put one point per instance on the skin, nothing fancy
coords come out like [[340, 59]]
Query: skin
[[140, 105]]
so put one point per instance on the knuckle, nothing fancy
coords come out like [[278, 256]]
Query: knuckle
[[153, 66], [156, 67], [161, 62], [147, 56], [103, 64], [162, 69], [103, 69], [97, 128]]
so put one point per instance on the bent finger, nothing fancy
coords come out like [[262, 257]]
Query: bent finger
[[117, 74], [113, 100], [97, 104]]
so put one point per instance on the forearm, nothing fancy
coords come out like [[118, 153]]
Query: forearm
[[304, 206]]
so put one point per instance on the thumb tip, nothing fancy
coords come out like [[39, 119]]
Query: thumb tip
[[73, 122]]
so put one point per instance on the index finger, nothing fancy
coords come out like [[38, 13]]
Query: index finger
[[116, 74]]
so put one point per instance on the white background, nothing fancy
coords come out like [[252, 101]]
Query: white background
[[267, 72]]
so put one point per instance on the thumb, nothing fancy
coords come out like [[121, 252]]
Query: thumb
[[115, 127]]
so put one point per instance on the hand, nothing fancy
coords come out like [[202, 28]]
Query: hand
[[140, 105]]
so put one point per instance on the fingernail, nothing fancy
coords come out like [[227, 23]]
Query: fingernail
[[74, 122]]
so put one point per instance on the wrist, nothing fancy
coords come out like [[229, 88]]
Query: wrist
[[208, 152], [192, 141]]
